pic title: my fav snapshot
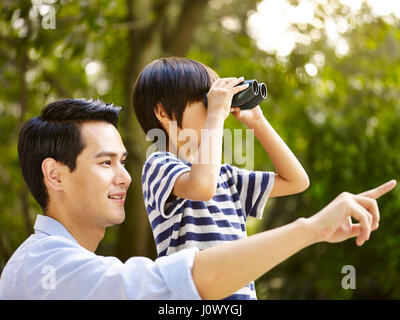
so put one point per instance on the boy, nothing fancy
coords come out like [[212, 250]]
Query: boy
[[193, 203]]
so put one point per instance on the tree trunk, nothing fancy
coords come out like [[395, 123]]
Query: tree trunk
[[176, 41], [135, 235]]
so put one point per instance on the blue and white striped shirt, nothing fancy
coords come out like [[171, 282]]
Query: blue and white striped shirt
[[181, 223]]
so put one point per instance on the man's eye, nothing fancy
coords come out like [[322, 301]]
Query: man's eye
[[123, 162], [107, 162]]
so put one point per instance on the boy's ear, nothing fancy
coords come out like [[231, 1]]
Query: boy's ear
[[161, 114], [52, 174]]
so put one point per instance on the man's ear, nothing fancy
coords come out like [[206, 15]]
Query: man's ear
[[52, 173], [162, 115]]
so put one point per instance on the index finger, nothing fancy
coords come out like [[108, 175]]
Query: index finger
[[242, 87], [232, 80], [379, 191]]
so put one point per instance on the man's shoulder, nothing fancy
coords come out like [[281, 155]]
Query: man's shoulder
[[41, 256], [29, 259], [39, 245]]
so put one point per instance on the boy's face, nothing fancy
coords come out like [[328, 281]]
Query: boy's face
[[194, 117], [95, 191], [195, 113]]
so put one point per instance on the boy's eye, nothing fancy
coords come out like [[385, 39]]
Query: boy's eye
[[107, 162], [123, 162]]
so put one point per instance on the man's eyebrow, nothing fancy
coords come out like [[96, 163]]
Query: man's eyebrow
[[109, 154]]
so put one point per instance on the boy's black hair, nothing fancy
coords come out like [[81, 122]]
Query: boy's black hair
[[56, 133], [173, 82]]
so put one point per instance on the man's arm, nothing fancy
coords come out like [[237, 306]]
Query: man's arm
[[291, 177], [221, 270]]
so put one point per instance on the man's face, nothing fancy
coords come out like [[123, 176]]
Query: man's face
[[95, 191]]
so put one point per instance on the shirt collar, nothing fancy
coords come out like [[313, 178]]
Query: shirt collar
[[50, 226]]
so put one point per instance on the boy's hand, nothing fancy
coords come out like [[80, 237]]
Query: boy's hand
[[248, 117], [220, 95], [333, 223]]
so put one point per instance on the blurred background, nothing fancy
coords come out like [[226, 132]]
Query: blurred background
[[332, 69]]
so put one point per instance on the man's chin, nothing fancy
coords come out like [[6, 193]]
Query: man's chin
[[116, 219]]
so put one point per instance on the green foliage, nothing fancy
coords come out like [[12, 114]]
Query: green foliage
[[342, 124]]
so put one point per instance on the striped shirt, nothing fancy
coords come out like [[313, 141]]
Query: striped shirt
[[179, 223]]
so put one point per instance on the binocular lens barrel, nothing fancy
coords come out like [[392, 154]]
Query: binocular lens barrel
[[257, 99], [249, 98], [263, 90], [254, 86], [246, 95]]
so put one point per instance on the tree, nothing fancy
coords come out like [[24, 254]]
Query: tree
[[111, 41], [340, 122]]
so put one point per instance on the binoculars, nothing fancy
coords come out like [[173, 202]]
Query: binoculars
[[249, 98]]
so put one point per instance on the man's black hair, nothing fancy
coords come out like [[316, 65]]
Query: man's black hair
[[56, 134]]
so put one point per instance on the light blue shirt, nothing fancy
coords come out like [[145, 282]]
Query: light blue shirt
[[51, 264]]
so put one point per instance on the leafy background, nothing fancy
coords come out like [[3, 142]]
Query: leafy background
[[342, 123]]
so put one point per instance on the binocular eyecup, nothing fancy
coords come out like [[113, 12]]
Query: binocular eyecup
[[249, 98]]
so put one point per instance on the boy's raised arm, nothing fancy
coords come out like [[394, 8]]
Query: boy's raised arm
[[200, 182], [291, 177]]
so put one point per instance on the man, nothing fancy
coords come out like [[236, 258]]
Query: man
[[72, 159]]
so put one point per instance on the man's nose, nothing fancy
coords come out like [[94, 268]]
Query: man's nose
[[123, 177]]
